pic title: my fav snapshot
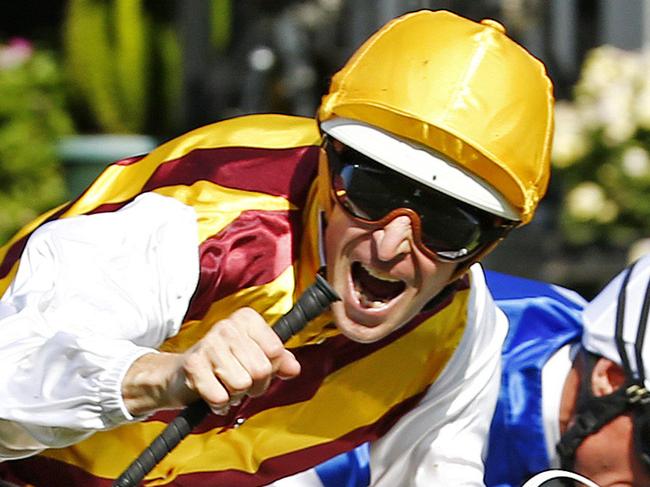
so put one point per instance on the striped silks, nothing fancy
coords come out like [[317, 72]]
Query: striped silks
[[250, 181]]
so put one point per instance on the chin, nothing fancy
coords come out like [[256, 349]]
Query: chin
[[359, 332]]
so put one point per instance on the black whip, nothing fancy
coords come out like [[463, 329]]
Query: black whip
[[311, 303]]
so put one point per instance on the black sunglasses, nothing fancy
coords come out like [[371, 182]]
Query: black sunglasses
[[445, 228]]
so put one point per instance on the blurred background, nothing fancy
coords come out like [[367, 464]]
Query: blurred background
[[86, 82]]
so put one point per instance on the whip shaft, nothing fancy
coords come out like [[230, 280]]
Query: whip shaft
[[311, 303]]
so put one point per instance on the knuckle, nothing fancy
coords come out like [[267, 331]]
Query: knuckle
[[192, 364], [246, 312], [241, 384], [275, 349], [225, 329], [248, 317], [230, 332], [261, 371], [217, 398]]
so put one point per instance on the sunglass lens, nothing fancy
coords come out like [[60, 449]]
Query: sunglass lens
[[370, 191], [447, 227], [363, 191]]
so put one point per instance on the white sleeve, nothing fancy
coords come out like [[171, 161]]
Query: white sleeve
[[91, 295], [443, 440]]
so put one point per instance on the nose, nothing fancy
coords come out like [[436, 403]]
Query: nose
[[394, 238]]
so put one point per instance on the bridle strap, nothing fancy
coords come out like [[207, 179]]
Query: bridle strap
[[592, 413]]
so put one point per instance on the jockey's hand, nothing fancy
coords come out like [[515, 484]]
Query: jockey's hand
[[238, 357]]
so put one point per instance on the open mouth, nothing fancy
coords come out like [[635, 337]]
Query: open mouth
[[372, 289]]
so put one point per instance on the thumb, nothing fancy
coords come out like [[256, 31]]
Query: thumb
[[288, 366]]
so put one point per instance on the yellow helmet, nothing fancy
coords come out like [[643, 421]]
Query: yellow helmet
[[463, 91]]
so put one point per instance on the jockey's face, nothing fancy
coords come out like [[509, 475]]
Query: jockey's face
[[383, 278]]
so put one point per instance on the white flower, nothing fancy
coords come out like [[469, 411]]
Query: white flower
[[635, 162], [611, 102], [587, 113], [570, 141], [608, 93], [608, 212], [587, 201], [599, 69], [605, 66], [638, 249], [642, 106], [614, 111], [630, 65]]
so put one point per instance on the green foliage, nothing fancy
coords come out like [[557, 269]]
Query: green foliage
[[221, 20], [132, 60], [123, 64], [32, 119], [168, 92]]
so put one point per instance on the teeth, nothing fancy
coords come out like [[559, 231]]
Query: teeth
[[367, 303], [377, 275]]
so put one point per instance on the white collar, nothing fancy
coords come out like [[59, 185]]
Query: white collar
[[554, 374]]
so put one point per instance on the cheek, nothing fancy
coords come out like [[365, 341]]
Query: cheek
[[608, 456], [339, 231], [435, 274], [334, 237]]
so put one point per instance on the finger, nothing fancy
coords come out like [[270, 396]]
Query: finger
[[283, 362], [257, 366], [262, 369], [228, 349], [245, 353], [200, 378], [261, 333], [287, 366], [236, 399], [250, 371], [220, 411]]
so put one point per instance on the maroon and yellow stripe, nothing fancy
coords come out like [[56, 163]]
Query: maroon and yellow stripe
[[337, 402], [258, 249], [206, 163]]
